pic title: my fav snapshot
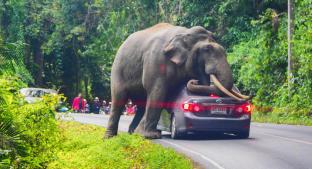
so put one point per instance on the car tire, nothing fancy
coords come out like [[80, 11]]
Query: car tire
[[243, 134], [175, 134]]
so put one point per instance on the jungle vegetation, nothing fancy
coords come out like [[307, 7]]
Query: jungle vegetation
[[69, 45]]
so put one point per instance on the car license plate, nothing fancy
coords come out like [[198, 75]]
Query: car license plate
[[218, 110]]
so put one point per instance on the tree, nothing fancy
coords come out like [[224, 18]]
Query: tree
[[290, 35]]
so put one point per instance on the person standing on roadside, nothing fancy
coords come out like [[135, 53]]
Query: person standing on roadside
[[96, 105], [78, 104], [87, 106], [130, 108]]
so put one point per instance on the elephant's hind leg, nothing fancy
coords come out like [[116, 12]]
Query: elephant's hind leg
[[119, 100], [137, 118]]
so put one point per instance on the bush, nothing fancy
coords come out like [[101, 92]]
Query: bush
[[260, 64], [30, 128]]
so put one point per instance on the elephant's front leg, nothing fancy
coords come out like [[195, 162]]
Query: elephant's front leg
[[154, 104]]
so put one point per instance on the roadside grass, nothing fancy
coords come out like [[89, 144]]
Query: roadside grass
[[83, 147], [282, 118]]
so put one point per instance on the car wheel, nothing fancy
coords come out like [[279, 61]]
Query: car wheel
[[175, 134], [243, 134]]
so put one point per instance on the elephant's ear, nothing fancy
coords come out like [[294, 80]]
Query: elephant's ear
[[176, 50]]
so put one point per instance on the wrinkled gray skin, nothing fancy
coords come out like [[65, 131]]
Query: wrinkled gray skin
[[153, 61]]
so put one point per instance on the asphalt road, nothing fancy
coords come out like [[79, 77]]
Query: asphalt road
[[270, 146]]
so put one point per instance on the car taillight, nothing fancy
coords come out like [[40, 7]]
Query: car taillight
[[192, 107], [244, 108]]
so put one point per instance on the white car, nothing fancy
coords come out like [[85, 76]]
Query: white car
[[35, 94]]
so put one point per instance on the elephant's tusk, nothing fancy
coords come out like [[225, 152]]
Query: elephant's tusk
[[222, 88], [240, 95]]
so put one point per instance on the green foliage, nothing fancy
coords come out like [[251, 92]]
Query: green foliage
[[10, 143], [77, 39], [11, 61], [302, 90], [282, 118], [28, 132], [83, 148], [260, 65], [37, 121], [260, 62], [229, 19], [70, 44]]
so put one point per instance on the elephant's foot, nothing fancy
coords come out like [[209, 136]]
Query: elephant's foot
[[131, 130], [109, 134], [152, 134]]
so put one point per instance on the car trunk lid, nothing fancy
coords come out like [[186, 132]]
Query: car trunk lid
[[217, 106]]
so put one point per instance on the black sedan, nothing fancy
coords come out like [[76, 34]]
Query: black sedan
[[192, 113]]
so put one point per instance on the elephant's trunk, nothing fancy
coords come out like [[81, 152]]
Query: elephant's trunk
[[193, 86], [224, 75]]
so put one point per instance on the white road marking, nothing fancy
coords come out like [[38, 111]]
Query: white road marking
[[258, 125], [289, 139], [196, 153]]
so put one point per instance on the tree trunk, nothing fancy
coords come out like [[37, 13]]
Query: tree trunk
[[290, 36], [27, 56], [5, 20], [77, 76], [86, 81], [77, 60], [38, 60]]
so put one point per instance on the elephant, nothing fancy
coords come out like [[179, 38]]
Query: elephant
[[154, 61]]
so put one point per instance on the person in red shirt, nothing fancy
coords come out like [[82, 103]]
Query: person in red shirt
[[78, 104], [130, 108]]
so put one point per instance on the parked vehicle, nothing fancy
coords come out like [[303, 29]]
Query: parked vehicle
[[198, 113], [35, 94]]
